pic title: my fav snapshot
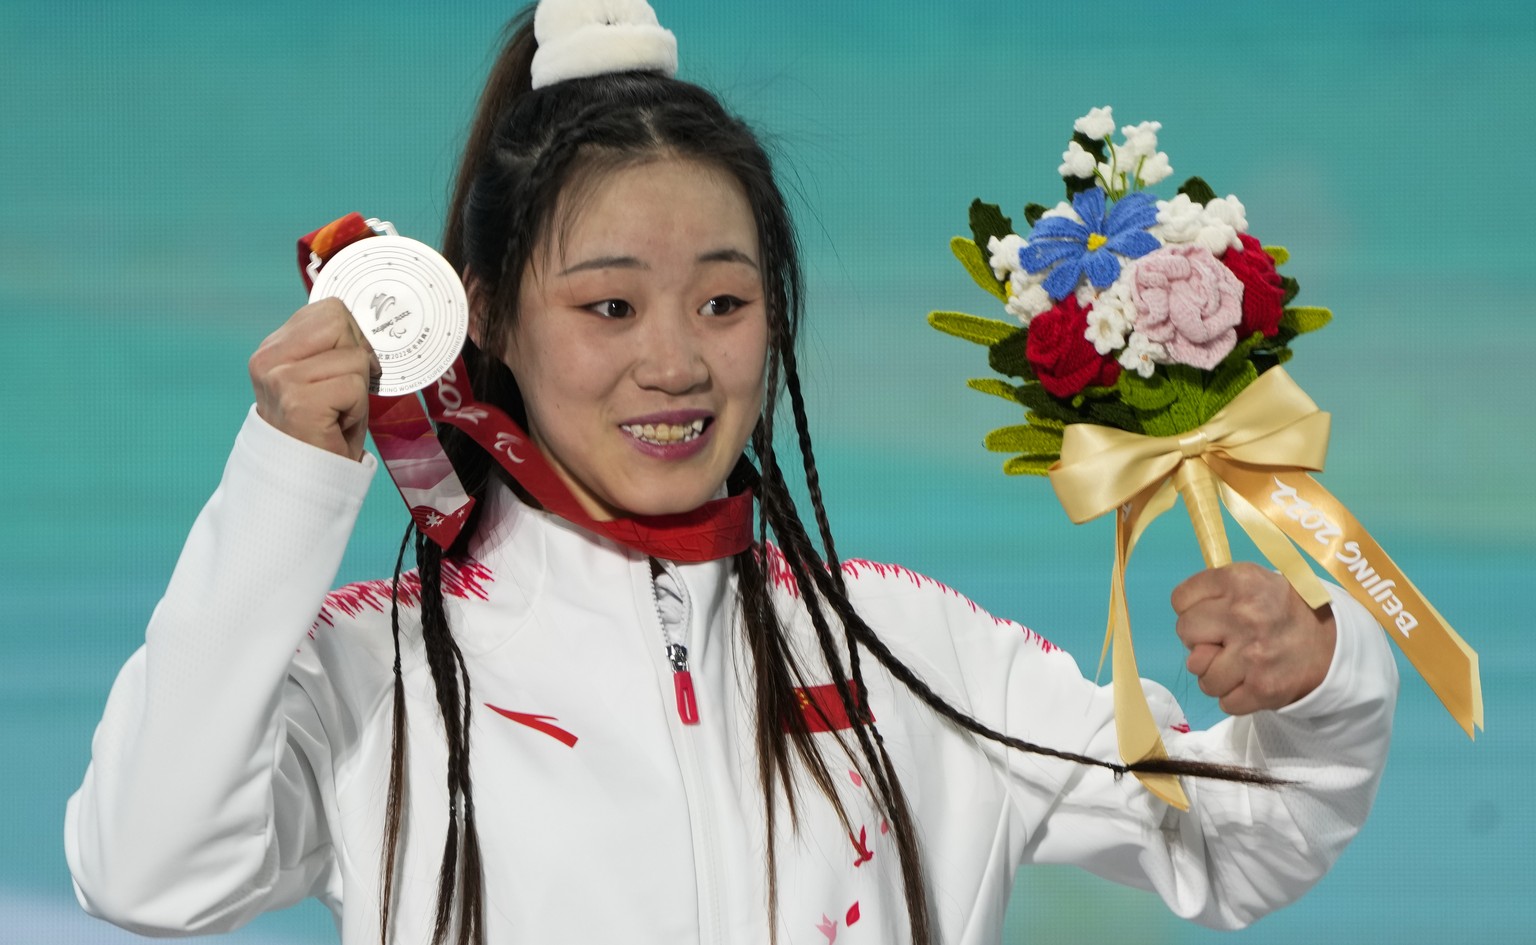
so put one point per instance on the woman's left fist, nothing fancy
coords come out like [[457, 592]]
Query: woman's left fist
[[1253, 642]]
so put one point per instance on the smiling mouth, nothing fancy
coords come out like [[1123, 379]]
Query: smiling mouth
[[663, 434]]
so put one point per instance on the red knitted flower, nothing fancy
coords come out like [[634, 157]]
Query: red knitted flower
[[1263, 295], [1063, 358]]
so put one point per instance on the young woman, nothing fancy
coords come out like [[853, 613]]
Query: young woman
[[549, 733]]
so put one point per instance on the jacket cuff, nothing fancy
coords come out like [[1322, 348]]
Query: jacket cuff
[[296, 468], [1360, 653]]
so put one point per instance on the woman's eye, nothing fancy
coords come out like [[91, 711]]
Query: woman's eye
[[721, 305], [612, 308]]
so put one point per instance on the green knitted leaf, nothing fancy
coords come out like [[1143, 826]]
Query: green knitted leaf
[[1027, 465], [987, 221], [1292, 289], [1182, 386], [1144, 394], [1198, 190], [973, 328], [1033, 212], [1007, 356], [1112, 413], [1024, 438], [1032, 395], [1242, 350], [1227, 382], [995, 386], [1040, 420], [1304, 318], [1266, 358], [1283, 336], [1279, 254], [977, 265]]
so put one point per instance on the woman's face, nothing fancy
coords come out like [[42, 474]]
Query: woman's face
[[641, 338]]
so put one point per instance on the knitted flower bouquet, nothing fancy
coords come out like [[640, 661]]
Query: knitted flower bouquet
[[1141, 314], [1145, 350]]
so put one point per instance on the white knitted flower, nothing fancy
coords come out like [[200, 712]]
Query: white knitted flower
[[1178, 220], [1098, 124], [1005, 254], [1220, 222], [1113, 313], [1075, 162], [1103, 331], [1140, 140], [580, 38], [1113, 172], [1026, 297], [1214, 225], [1064, 210], [1155, 169], [1142, 354]]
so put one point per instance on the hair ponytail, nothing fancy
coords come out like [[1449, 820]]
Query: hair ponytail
[[511, 78]]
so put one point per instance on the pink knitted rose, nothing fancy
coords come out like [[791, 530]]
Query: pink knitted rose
[[1187, 300]]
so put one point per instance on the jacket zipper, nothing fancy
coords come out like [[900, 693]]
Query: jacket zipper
[[677, 653], [694, 782], [682, 684]]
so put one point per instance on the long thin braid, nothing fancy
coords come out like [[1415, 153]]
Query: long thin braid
[[471, 881], [396, 796], [809, 574], [456, 883], [836, 592], [834, 564]]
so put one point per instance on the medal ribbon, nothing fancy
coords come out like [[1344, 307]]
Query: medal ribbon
[[1254, 455], [403, 434], [401, 431]]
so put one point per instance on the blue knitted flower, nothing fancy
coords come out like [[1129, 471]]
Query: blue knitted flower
[[1092, 247]]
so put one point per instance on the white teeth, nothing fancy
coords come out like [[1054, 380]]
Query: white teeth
[[662, 433]]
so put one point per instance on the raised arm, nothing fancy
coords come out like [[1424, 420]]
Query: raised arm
[[203, 802], [1239, 852]]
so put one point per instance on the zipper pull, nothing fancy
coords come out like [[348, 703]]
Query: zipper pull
[[682, 684]]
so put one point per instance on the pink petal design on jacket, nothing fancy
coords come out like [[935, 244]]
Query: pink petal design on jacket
[[857, 568], [861, 846], [462, 577], [828, 928], [854, 777]]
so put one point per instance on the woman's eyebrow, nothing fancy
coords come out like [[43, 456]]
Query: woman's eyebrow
[[728, 255], [606, 262], [631, 262]]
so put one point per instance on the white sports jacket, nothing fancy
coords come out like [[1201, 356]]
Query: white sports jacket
[[242, 761]]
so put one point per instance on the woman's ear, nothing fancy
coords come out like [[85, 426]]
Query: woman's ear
[[475, 290]]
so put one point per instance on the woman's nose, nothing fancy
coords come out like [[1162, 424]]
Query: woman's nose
[[670, 358]]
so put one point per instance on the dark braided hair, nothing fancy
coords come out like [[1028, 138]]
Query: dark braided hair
[[525, 149]]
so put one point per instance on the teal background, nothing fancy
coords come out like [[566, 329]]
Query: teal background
[[157, 161]]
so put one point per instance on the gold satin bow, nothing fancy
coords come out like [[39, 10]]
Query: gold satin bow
[[1270, 430]]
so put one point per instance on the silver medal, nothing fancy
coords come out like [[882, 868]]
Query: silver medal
[[409, 303]]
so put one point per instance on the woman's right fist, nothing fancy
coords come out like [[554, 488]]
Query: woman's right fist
[[311, 378]]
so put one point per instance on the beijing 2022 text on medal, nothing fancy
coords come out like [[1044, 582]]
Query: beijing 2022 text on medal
[[408, 301]]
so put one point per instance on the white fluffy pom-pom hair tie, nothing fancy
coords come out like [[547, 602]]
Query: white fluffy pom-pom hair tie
[[579, 38]]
